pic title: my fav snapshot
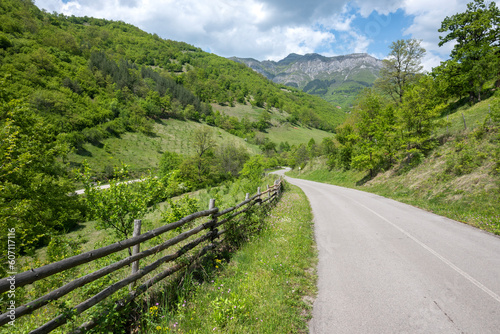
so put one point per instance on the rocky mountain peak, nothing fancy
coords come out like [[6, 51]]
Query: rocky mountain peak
[[337, 79], [298, 70]]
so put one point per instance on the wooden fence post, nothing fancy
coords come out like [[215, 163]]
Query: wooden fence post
[[268, 192], [465, 124], [135, 250], [247, 196], [211, 205]]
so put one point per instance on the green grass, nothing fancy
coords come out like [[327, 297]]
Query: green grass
[[295, 135], [317, 171], [142, 152], [267, 286], [252, 113], [281, 131], [475, 116]]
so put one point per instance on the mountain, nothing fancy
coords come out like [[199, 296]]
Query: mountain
[[336, 79]]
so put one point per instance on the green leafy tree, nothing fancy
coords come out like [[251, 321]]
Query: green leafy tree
[[371, 128], [203, 142], [400, 68], [253, 168], [477, 41], [117, 207], [169, 162], [416, 116], [180, 209], [346, 137], [231, 158]]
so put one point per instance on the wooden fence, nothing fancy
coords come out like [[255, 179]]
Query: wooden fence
[[33, 275]]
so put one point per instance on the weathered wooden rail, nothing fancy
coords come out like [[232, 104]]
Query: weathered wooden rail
[[33, 275]]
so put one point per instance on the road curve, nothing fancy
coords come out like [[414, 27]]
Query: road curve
[[387, 267]]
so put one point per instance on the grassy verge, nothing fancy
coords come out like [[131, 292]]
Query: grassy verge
[[267, 286], [435, 185], [317, 171]]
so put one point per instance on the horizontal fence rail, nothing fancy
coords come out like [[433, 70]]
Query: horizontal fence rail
[[33, 275]]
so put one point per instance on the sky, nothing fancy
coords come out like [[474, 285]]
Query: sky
[[272, 29]]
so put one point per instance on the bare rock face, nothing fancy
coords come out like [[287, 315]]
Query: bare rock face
[[298, 71]]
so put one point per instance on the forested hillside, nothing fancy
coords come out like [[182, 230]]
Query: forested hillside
[[72, 88]]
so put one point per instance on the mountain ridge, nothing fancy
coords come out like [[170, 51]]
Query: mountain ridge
[[311, 66], [337, 79]]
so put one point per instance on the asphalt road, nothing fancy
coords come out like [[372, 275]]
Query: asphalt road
[[387, 267], [106, 186]]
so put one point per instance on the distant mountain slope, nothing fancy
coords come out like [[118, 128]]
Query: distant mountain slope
[[336, 79]]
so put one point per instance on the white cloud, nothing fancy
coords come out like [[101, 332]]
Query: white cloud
[[383, 7], [270, 29], [428, 17]]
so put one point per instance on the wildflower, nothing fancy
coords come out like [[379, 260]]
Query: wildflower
[[158, 328]]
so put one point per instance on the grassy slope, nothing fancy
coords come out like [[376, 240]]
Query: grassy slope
[[280, 131], [252, 113], [143, 152], [295, 135], [456, 180]]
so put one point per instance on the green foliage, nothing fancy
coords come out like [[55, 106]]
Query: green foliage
[[179, 209], [372, 126], [169, 162], [401, 68], [474, 58], [231, 159], [381, 133], [4, 42], [253, 168], [60, 248], [465, 157], [117, 207], [416, 116], [33, 186]]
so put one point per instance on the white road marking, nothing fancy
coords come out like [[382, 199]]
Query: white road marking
[[436, 254]]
